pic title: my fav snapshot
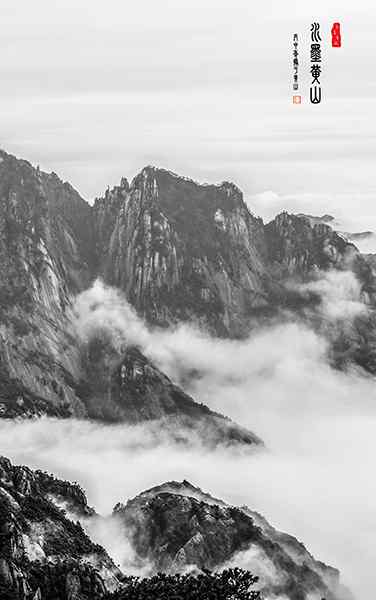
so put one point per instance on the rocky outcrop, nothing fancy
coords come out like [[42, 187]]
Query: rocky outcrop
[[172, 528], [128, 387], [48, 253], [178, 251], [42, 553], [44, 261], [176, 526], [299, 248], [183, 251], [296, 246], [314, 220]]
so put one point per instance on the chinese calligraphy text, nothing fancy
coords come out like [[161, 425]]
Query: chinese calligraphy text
[[295, 63], [315, 89]]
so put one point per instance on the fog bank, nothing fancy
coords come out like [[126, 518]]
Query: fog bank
[[315, 477]]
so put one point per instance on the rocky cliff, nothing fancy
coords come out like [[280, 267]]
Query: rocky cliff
[[128, 387], [183, 251], [176, 526], [173, 527], [43, 554], [297, 245], [304, 251], [44, 261], [50, 240], [178, 251]]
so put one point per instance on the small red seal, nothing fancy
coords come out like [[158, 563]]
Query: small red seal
[[336, 35]]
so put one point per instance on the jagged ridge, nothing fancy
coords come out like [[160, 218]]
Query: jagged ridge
[[43, 554], [179, 251], [176, 526]]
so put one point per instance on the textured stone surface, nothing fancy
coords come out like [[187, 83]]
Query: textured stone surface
[[49, 248], [298, 245], [128, 387], [42, 553], [42, 266], [178, 250], [183, 251], [175, 526]]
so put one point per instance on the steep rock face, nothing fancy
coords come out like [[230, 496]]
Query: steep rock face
[[296, 245], [176, 526], [299, 246], [44, 261], [42, 553], [326, 219], [49, 251], [301, 249], [182, 251], [177, 250], [129, 388]]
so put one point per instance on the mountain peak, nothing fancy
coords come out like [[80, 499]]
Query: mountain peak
[[183, 487], [316, 220], [161, 173], [176, 525]]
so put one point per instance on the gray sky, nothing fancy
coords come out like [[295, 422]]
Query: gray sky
[[95, 90]]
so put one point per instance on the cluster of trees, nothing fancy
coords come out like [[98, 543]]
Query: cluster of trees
[[231, 584]]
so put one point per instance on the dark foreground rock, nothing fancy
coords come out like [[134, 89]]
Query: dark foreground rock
[[172, 528], [175, 527], [43, 554]]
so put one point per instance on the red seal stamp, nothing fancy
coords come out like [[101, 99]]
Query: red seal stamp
[[336, 35]]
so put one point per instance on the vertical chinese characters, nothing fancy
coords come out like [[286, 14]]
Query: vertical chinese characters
[[296, 98], [315, 93]]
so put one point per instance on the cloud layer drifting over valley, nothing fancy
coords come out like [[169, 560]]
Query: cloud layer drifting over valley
[[315, 477]]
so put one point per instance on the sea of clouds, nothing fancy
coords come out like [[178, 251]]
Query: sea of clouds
[[315, 477]]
